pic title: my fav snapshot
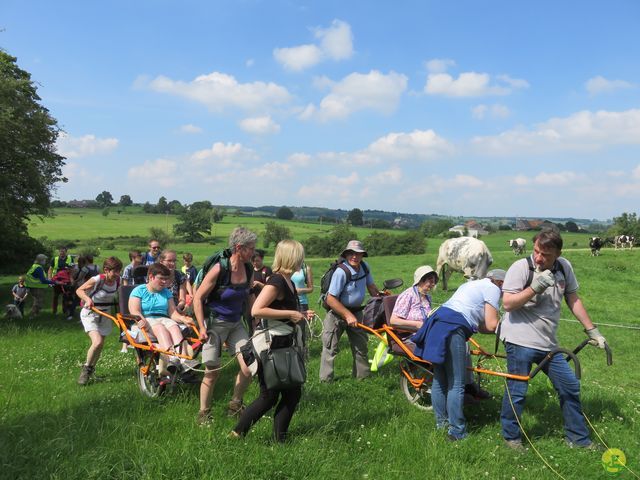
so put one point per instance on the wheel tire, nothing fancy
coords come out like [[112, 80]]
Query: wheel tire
[[149, 384], [419, 398]]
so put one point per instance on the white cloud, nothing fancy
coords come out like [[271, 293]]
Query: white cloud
[[330, 187], [471, 84], [335, 43], [465, 181], [635, 173], [189, 128], [219, 91], [222, 155], [260, 125], [298, 58], [75, 172], [599, 84], [85, 146], [417, 145], [439, 65], [357, 91], [582, 131], [496, 110], [250, 62], [164, 172], [299, 159]]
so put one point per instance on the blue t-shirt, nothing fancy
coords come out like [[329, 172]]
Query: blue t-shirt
[[351, 294], [154, 304], [299, 279], [469, 300]]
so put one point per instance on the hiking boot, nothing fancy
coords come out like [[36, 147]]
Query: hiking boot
[[515, 444], [235, 408], [85, 374], [204, 417], [591, 447], [476, 391]]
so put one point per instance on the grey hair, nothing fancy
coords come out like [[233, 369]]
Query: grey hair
[[41, 259], [241, 236]]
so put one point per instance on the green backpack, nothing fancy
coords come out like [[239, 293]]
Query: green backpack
[[224, 278]]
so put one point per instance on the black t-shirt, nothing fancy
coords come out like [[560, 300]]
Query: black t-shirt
[[290, 300]]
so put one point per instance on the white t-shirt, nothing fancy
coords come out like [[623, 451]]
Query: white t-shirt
[[535, 324], [106, 292], [469, 300]]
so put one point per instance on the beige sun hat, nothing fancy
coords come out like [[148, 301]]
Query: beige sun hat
[[354, 246], [421, 272]]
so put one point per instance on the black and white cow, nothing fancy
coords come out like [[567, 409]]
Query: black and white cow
[[518, 246], [467, 255], [595, 243], [622, 241]]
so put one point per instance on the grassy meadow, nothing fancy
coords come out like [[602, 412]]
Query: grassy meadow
[[52, 428]]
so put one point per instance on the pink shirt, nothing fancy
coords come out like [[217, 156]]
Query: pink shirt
[[410, 305]]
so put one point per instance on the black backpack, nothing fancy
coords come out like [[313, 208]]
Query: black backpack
[[557, 267], [224, 278], [325, 281]]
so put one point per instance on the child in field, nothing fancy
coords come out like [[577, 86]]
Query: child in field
[[99, 292], [19, 292], [135, 257]]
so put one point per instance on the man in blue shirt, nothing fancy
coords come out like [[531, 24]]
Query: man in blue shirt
[[345, 296]]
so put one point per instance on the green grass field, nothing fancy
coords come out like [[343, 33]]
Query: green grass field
[[52, 428]]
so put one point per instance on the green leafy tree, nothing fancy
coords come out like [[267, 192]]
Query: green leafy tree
[[104, 199], [125, 201], [30, 166], [147, 208], [217, 214], [284, 213], [572, 226], [161, 235], [193, 224], [355, 217], [273, 233], [433, 228], [175, 207], [625, 224], [162, 206], [330, 245]]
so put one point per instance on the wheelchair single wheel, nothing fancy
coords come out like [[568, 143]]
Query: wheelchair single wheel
[[419, 397], [148, 376]]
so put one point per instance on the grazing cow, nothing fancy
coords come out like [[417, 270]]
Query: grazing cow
[[518, 246], [622, 241], [467, 255], [595, 243]]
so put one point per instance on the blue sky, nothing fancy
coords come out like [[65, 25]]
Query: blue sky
[[463, 108]]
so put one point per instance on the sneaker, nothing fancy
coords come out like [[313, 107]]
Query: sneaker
[[124, 348], [204, 417], [591, 447], [85, 374], [235, 408], [515, 444]]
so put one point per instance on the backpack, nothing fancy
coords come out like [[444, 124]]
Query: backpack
[[374, 314], [325, 281], [224, 278], [99, 286], [557, 267]]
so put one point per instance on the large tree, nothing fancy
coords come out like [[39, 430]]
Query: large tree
[[104, 199], [30, 166], [125, 201], [355, 217], [284, 213], [193, 223]]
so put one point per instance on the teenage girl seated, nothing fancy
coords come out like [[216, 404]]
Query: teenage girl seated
[[153, 303]]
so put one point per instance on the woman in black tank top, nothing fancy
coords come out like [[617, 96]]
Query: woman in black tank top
[[277, 302]]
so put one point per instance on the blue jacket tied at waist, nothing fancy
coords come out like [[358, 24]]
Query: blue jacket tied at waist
[[431, 339]]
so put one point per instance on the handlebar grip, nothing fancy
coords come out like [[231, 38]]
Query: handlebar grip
[[609, 354]]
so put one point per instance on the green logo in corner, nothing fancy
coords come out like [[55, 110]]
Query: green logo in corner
[[613, 460]]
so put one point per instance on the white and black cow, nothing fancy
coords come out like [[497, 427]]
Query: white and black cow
[[518, 245], [595, 243], [622, 241], [467, 255]]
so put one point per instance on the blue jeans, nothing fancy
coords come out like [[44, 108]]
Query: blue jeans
[[447, 391], [519, 361]]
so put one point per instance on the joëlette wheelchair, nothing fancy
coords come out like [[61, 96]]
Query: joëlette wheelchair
[[148, 353], [416, 374]]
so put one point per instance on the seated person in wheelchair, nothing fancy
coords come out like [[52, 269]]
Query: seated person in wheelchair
[[153, 303], [413, 306]]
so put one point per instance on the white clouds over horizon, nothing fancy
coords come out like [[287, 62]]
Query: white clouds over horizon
[[482, 111], [335, 43], [371, 91], [582, 131], [190, 129], [85, 146], [219, 91]]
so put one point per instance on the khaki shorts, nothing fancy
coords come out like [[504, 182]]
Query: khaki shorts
[[91, 322], [220, 332], [167, 322]]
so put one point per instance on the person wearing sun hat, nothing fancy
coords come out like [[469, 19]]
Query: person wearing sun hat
[[349, 284], [413, 306], [442, 341]]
